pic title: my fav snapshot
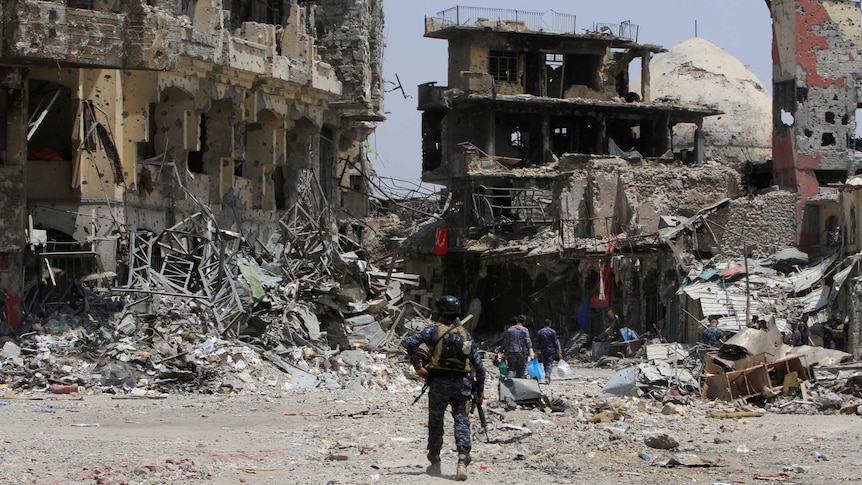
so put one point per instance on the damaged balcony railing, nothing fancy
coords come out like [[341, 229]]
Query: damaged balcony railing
[[624, 30], [519, 205], [519, 20]]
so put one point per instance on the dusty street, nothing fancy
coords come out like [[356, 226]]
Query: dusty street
[[318, 436]]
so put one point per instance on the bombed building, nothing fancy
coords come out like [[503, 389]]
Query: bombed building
[[582, 192], [122, 120]]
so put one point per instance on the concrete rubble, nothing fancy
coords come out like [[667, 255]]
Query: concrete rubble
[[598, 241]]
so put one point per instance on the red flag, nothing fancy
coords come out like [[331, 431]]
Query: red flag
[[603, 293], [441, 241]]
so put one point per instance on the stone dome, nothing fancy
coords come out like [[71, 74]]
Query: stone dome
[[698, 71]]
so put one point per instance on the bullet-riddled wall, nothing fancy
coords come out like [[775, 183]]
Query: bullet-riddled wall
[[816, 60], [147, 112]]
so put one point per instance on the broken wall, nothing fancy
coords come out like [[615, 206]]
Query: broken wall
[[161, 111], [357, 59], [13, 101], [632, 197], [549, 66], [765, 223], [816, 58]]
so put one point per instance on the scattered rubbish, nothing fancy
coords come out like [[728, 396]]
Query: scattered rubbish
[[86, 425], [685, 459], [623, 383], [645, 456], [736, 414], [608, 417], [521, 391], [778, 477], [407, 463]]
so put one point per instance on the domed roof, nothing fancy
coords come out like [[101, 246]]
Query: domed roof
[[698, 71]]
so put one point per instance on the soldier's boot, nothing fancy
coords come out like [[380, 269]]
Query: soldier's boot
[[461, 471], [434, 468]]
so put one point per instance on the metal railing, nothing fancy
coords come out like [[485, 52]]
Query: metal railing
[[504, 19], [625, 30], [524, 205]]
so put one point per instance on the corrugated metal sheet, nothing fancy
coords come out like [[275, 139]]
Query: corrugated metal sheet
[[808, 277], [715, 300]]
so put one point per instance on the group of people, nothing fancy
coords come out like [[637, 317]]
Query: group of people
[[518, 348], [829, 334], [454, 374]]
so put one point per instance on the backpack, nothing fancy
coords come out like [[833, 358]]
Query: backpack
[[451, 350]]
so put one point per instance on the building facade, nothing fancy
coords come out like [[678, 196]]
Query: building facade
[[121, 118]]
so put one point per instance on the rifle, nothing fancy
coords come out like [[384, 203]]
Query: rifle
[[421, 393], [478, 405]]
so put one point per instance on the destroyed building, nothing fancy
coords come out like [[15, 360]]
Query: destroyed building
[[816, 108], [212, 119], [572, 190]]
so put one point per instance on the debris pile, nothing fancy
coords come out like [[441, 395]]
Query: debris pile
[[198, 308]]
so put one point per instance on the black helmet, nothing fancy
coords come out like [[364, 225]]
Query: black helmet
[[448, 305]]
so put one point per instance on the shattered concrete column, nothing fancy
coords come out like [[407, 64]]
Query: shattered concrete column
[[491, 135], [602, 136], [547, 153], [698, 142], [13, 156], [645, 76], [854, 336]]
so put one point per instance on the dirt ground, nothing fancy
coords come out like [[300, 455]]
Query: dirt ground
[[319, 436]]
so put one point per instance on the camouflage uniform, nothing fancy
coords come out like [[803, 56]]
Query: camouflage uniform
[[549, 346], [446, 388]]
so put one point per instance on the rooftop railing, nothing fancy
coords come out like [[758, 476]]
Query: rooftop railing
[[503, 19], [625, 30]]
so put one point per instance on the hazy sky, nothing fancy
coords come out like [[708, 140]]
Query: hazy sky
[[741, 27]]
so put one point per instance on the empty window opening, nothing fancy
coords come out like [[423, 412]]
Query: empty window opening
[[278, 181], [857, 119], [53, 113], [195, 159], [554, 71], [826, 177], [239, 168], [503, 66], [554, 61], [82, 4], [828, 139], [830, 117]]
